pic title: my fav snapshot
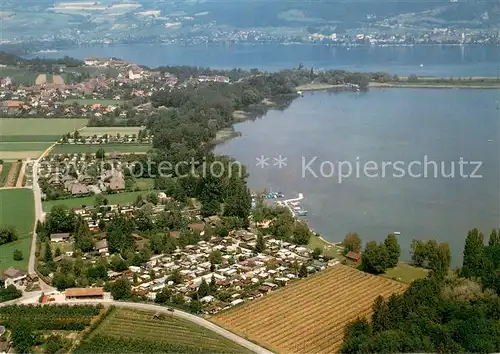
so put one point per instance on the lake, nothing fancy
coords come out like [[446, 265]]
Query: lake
[[469, 60], [376, 127]]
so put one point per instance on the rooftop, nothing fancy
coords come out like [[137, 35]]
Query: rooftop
[[76, 292]]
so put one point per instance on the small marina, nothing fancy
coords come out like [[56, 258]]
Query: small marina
[[293, 204]]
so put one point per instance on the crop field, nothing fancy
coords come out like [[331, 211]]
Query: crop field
[[90, 131], [132, 331], [12, 201], [19, 75], [38, 126], [64, 317], [309, 316], [23, 138], [92, 148], [118, 198]]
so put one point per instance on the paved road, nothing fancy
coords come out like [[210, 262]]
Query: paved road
[[37, 195]]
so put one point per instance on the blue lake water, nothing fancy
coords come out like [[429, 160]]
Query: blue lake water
[[322, 129], [470, 60]]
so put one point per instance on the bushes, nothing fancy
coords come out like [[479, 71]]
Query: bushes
[[8, 234], [18, 255], [10, 293]]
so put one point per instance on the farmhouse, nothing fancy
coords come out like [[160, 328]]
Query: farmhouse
[[13, 276], [62, 237], [84, 293], [11, 105], [79, 189], [102, 246], [353, 258]]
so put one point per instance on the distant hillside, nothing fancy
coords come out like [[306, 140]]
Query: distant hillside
[[134, 18], [345, 14]]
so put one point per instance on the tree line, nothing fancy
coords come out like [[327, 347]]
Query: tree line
[[442, 313]]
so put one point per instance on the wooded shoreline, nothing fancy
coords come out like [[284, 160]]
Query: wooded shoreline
[[476, 83]]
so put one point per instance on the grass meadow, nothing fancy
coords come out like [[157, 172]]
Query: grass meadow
[[22, 138], [117, 198], [17, 209]]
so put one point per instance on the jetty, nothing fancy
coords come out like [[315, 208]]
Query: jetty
[[289, 205]]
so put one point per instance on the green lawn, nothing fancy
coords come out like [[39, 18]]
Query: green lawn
[[19, 75], [90, 131], [90, 101], [144, 184], [119, 198], [92, 148], [39, 126], [329, 250], [24, 146], [17, 209], [406, 273]]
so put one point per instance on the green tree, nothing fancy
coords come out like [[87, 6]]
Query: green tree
[[18, 255], [82, 236], [53, 344], [375, 258], [100, 154], [301, 233], [473, 254], [176, 276], [441, 261], [494, 238], [23, 336], [352, 242], [380, 316], [303, 271], [195, 306], [119, 234], [163, 296], [316, 253], [419, 253], [121, 289], [215, 257], [203, 289], [393, 249], [48, 258], [8, 234], [261, 244], [152, 198], [60, 219]]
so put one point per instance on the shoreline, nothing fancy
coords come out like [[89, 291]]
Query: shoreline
[[413, 85]]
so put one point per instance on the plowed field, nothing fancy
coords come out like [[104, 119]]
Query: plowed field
[[309, 316]]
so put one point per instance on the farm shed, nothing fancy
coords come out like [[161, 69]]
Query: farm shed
[[84, 293], [12, 276], [62, 237], [353, 258]]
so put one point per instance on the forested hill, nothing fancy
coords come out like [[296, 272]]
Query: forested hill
[[343, 14]]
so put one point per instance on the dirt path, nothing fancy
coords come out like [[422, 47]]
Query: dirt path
[[12, 174], [19, 183]]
